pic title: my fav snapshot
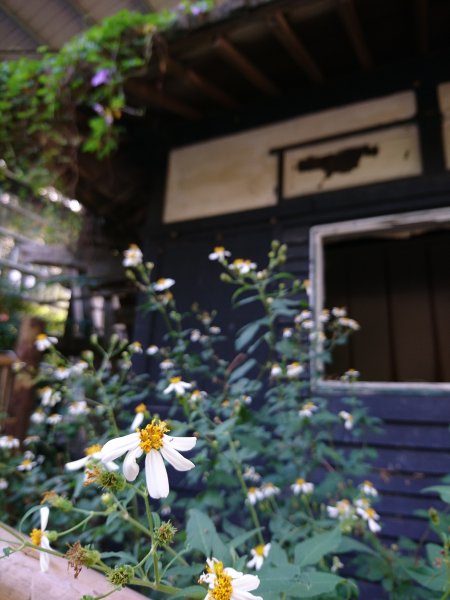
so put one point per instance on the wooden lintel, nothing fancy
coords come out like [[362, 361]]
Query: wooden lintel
[[240, 62], [421, 18], [145, 92], [292, 44], [206, 87], [352, 24]]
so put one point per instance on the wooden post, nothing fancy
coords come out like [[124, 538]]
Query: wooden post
[[23, 398]]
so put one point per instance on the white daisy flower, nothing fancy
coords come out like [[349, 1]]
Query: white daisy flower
[[275, 370], [269, 489], [78, 407], [307, 324], [246, 399], [219, 253], [79, 367], [371, 516], [140, 415], [132, 257], [153, 441], [243, 266], [368, 489], [3, 484], [342, 510], [39, 538], [337, 564], [351, 375], [287, 332], [214, 330], [92, 452], [61, 373], [303, 316], [349, 323], [227, 584], [324, 315], [301, 486], [339, 311], [258, 555], [152, 350], [44, 342], [27, 464], [178, 386], [250, 474], [54, 419], [195, 335], [135, 348], [196, 396], [38, 417], [254, 495], [49, 397], [9, 442], [317, 336], [307, 286], [347, 418], [163, 284], [294, 369], [166, 364], [307, 410]]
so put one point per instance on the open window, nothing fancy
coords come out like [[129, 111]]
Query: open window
[[392, 274]]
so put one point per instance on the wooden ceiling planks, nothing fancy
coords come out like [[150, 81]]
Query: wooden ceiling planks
[[144, 92], [350, 20]]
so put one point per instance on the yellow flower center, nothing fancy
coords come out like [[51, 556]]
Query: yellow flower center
[[294, 364], [36, 536], [309, 406], [260, 550], [368, 483], [162, 281], [140, 408], [133, 247], [252, 490], [41, 336], [300, 481], [223, 588], [175, 379], [371, 514], [152, 435], [90, 450], [26, 462], [219, 249]]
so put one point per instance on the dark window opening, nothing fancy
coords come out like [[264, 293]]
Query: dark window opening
[[397, 286]]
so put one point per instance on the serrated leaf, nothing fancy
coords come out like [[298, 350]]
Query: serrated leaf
[[202, 536], [313, 549]]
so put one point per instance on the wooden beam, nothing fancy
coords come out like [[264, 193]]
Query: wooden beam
[[24, 26], [292, 44], [240, 62], [206, 87], [144, 92], [422, 10], [79, 10], [352, 24]]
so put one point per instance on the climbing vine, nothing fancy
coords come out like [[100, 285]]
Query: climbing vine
[[73, 100]]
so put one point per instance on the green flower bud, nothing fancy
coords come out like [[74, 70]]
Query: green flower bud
[[121, 576], [52, 536], [165, 533], [434, 516], [110, 480], [226, 278]]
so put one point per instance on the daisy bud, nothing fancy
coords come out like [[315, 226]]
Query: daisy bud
[[121, 576], [111, 480], [165, 533]]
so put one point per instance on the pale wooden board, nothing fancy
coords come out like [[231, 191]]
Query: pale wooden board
[[444, 105], [396, 154], [237, 173], [22, 579]]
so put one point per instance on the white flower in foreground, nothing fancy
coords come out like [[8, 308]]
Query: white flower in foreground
[[339, 311], [349, 323], [79, 367], [324, 315], [54, 419], [140, 414], [135, 348], [307, 324], [227, 584], [196, 396], [152, 350], [166, 364], [219, 253], [38, 416], [92, 452], [303, 316], [258, 555], [195, 335], [368, 489], [275, 370], [39, 538], [49, 397], [347, 418], [242, 266], [27, 464], [294, 369], [132, 257], [44, 342], [214, 330], [254, 495], [3, 484], [9, 442], [371, 516], [342, 510], [269, 489], [287, 332], [78, 407], [163, 284], [301, 486], [307, 410], [61, 373], [153, 441], [177, 385]]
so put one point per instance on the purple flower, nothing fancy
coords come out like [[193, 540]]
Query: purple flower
[[101, 77]]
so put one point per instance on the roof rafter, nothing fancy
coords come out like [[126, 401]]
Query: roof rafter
[[148, 94], [201, 83], [241, 63], [81, 12], [352, 24], [24, 26], [292, 44], [422, 15]]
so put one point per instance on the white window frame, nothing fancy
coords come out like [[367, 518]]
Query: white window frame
[[344, 230]]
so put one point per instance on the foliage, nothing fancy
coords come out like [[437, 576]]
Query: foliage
[[271, 493], [71, 100]]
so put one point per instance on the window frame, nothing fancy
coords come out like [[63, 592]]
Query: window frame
[[343, 230]]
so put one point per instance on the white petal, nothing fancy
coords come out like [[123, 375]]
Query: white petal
[[130, 467], [77, 464], [111, 466], [233, 573], [118, 446], [156, 475], [44, 558], [174, 458], [246, 583], [241, 595], [137, 421], [45, 511], [180, 443]]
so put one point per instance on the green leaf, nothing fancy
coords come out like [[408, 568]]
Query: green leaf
[[193, 591], [442, 490], [242, 370], [247, 333], [431, 579], [202, 536], [350, 545], [240, 539], [314, 583], [313, 549]]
